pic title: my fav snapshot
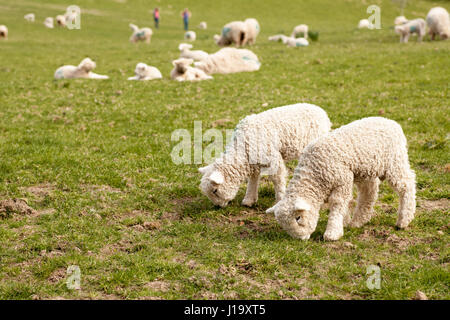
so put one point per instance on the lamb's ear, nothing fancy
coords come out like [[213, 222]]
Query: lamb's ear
[[216, 177], [272, 210], [301, 205]]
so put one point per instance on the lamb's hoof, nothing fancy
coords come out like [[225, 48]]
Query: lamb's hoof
[[248, 202], [332, 236], [356, 224]]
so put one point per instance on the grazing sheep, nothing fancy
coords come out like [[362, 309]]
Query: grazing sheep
[[144, 34], [400, 20], [48, 22], [405, 30], [295, 42], [83, 70], [364, 24], [361, 152], [253, 30], [233, 32], [229, 60], [198, 55], [302, 30], [60, 20], [29, 17], [203, 25], [438, 22], [262, 143], [190, 36], [3, 32], [183, 71], [144, 72]]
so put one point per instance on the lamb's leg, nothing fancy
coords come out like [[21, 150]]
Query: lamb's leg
[[251, 196], [404, 183], [367, 195], [406, 38], [279, 180], [339, 201]]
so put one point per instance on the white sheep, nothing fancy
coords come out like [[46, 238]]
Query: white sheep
[[203, 25], [60, 20], [361, 152], [229, 60], [416, 26], [29, 17], [301, 29], [364, 24], [295, 42], [48, 22], [3, 32], [234, 32], [185, 52], [83, 70], [400, 20], [190, 35], [143, 34], [438, 22], [253, 30], [277, 37], [145, 72], [183, 71], [262, 143]]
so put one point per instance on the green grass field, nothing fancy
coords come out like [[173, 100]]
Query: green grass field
[[92, 158]]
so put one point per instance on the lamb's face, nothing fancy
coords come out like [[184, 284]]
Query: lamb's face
[[182, 64], [216, 186], [87, 65], [140, 69]]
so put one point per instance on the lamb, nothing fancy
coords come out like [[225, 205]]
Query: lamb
[[60, 20], [144, 72], [262, 143], [3, 32], [190, 36], [182, 71], [83, 70], [48, 22], [364, 24], [400, 20], [233, 32], [253, 30], [29, 17], [302, 30], [438, 22], [295, 42], [229, 60], [277, 37], [203, 25], [413, 26], [361, 152], [143, 34], [198, 55]]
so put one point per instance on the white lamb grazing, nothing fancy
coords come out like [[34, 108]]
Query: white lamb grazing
[[29, 17], [405, 30], [364, 24], [234, 32], [183, 71], [203, 25], [3, 32], [144, 72], [48, 22], [60, 20], [400, 20], [253, 30], [144, 34], [361, 152], [83, 70], [185, 52], [295, 42], [300, 30], [438, 22], [190, 35], [229, 60], [262, 143]]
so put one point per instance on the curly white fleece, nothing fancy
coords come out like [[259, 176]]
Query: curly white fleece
[[83, 70], [438, 21], [234, 32], [261, 143], [405, 30], [229, 60], [253, 30], [361, 152]]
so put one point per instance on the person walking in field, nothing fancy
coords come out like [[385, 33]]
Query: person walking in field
[[186, 14], [156, 17]]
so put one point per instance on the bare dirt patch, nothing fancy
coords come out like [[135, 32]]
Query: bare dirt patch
[[10, 207], [161, 286], [57, 275], [430, 205], [40, 191]]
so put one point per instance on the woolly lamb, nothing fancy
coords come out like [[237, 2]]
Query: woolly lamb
[[233, 32], [262, 143], [364, 24], [203, 25], [182, 71], [60, 20], [48, 22], [302, 30], [83, 70], [400, 20], [253, 30], [190, 36], [144, 34], [198, 55], [3, 32], [29, 17], [438, 22], [295, 42], [413, 26], [361, 152], [144, 72], [277, 37], [229, 60]]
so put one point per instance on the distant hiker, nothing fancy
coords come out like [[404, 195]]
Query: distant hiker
[[156, 17], [186, 15]]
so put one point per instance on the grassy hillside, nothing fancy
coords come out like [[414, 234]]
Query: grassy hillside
[[92, 158]]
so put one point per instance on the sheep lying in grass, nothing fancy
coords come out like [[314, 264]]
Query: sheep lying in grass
[[190, 35], [364, 24], [300, 30], [29, 17], [253, 30], [143, 34], [233, 32], [183, 71], [405, 30], [203, 25], [261, 144], [48, 22], [185, 52], [83, 70], [229, 60], [3, 32], [277, 37], [400, 20], [60, 20], [361, 152], [144, 72], [438, 22], [295, 42]]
